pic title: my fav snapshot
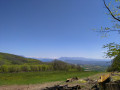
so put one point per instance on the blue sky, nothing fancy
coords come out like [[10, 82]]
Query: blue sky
[[53, 28]]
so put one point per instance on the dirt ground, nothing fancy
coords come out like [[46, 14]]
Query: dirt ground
[[29, 87], [43, 86], [85, 85]]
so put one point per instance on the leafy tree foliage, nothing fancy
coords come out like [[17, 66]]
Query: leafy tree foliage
[[115, 64], [113, 7], [113, 49], [60, 65]]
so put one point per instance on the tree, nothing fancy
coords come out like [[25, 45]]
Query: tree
[[60, 65], [115, 66], [113, 49], [115, 13], [113, 7]]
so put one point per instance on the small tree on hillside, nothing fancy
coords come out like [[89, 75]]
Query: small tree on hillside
[[59, 65]]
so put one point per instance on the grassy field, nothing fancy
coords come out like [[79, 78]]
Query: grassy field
[[39, 77]]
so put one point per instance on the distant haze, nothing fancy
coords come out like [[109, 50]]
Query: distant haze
[[72, 58], [80, 60]]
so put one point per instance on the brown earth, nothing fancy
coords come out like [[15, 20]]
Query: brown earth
[[29, 87]]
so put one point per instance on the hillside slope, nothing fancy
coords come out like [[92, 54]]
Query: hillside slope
[[11, 59]]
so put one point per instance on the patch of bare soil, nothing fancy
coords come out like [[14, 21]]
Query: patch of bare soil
[[29, 87]]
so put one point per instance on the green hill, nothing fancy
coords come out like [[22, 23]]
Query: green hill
[[11, 59], [14, 63]]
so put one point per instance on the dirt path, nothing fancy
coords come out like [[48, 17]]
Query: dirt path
[[29, 87]]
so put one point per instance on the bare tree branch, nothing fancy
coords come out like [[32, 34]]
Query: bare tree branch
[[107, 30], [110, 12]]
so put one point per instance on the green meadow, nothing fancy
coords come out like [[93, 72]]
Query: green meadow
[[24, 78]]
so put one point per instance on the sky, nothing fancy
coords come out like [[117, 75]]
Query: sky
[[54, 28]]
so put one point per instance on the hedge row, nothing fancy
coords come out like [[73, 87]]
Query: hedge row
[[56, 65], [25, 68]]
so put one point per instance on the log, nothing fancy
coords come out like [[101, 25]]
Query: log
[[103, 80], [105, 84]]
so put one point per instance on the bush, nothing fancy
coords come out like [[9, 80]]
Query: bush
[[25, 68], [54, 66], [60, 65], [4, 68], [34, 67]]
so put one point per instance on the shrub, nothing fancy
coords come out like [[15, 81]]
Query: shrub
[[25, 68]]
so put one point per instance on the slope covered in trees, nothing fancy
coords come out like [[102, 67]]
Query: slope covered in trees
[[15, 63], [10, 59]]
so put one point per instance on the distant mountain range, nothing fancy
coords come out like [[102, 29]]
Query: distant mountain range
[[86, 63], [82, 58], [45, 59], [80, 61]]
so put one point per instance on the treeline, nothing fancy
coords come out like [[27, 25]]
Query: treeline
[[14, 63], [53, 66], [60, 65], [25, 68]]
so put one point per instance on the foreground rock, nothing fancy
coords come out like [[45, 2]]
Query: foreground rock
[[104, 82], [63, 87]]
